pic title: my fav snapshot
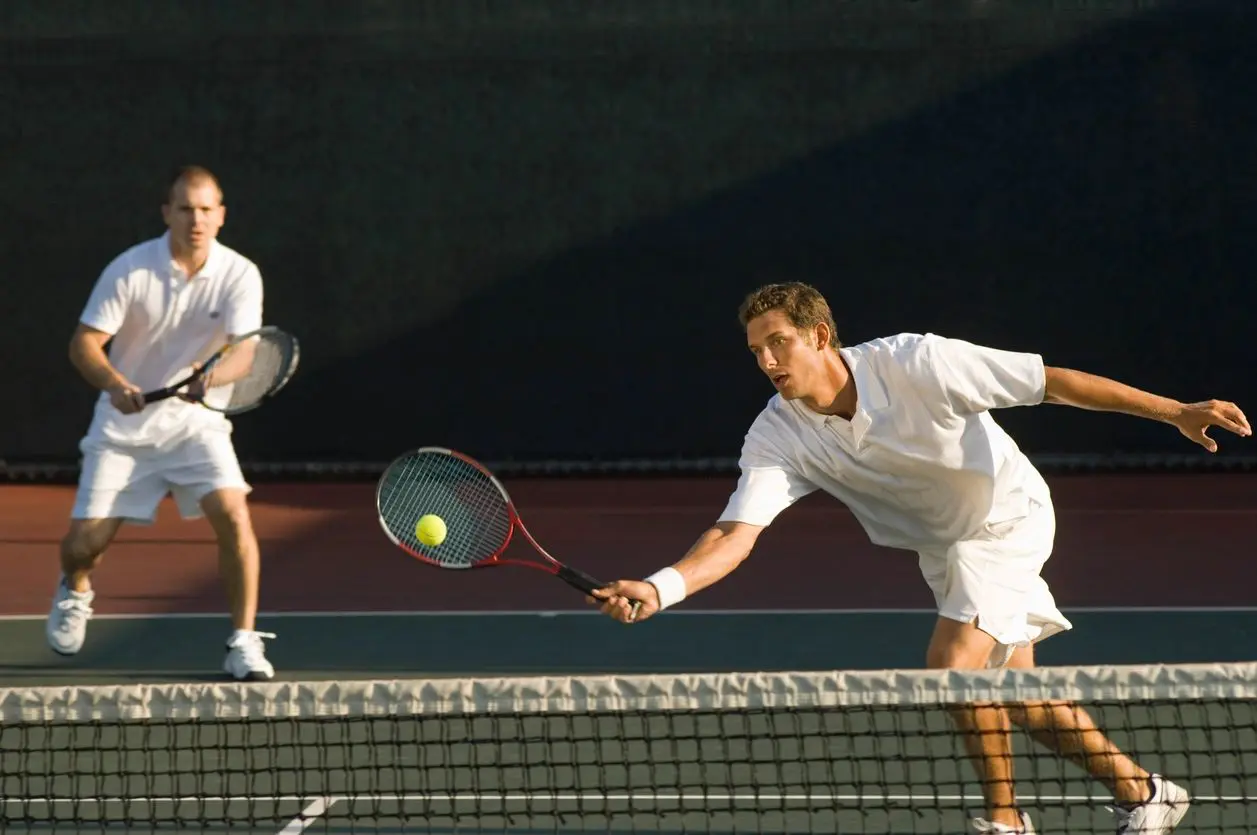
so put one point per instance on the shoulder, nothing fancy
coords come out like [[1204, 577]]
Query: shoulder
[[912, 353], [775, 424], [236, 265], [145, 255]]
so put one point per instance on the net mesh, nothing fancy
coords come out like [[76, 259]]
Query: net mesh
[[872, 752]]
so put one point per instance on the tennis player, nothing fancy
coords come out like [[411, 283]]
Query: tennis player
[[900, 430], [163, 307]]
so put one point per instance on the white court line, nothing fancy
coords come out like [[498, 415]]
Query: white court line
[[514, 613], [316, 809]]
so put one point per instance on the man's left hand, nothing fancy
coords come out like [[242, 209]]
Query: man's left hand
[[1194, 419]]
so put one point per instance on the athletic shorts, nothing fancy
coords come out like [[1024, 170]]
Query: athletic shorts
[[129, 483], [993, 580]]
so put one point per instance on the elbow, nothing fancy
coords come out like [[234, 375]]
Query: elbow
[[740, 539], [74, 350]]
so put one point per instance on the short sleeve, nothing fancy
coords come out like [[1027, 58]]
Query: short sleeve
[[243, 311], [767, 485], [106, 307], [976, 378]]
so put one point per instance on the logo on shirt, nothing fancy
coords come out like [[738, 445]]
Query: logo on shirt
[[214, 315]]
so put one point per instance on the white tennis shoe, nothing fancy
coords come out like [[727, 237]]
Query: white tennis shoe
[[986, 827], [246, 656], [1156, 816], [67, 621]]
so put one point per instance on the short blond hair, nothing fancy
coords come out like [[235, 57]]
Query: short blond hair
[[191, 175], [802, 304]]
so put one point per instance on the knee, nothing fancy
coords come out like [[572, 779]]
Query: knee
[[228, 514]]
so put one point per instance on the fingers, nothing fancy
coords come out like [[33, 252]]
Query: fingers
[[611, 601], [128, 401], [1231, 418], [1198, 417]]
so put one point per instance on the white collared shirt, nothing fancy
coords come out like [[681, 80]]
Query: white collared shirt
[[162, 322], [921, 464]]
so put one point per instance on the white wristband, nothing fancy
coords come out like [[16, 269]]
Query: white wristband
[[670, 585]]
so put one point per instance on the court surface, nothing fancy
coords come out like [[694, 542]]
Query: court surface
[[1150, 570]]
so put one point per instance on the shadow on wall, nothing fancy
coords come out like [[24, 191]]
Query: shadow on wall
[[1087, 205]]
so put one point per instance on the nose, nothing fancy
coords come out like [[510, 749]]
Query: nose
[[766, 360]]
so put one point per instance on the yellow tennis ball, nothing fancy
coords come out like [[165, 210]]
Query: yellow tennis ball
[[430, 529]]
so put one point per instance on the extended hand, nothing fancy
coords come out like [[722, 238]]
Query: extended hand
[[618, 598], [1195, 419]]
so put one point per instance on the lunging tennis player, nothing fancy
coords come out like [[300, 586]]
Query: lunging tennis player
[[899, 429]]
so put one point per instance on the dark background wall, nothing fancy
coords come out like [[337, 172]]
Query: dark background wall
[[523, 228]]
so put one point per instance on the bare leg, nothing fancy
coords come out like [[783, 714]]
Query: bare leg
[[239, 562], [986, 727], [1067, 728], [82, 548]]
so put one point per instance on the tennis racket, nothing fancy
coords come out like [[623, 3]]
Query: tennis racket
[[479, 516], [275, 356]]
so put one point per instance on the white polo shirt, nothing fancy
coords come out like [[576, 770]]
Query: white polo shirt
[[921, 465], [162, 322]]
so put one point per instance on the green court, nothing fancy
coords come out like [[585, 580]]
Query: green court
[[345, 646]]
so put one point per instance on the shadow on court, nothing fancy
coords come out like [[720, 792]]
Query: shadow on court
[[409, 646]]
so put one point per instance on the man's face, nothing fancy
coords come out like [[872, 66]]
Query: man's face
[[789, 357], [194, 214]]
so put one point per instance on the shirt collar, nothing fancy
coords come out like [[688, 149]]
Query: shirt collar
[[213, 261], [870, 392]]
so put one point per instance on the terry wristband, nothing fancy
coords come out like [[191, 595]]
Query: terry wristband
[[670, 585]]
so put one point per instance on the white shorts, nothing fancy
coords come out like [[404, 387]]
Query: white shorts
[[130, 483], [995, 583]]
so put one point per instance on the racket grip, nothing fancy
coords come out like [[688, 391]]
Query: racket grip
[[579, 580]]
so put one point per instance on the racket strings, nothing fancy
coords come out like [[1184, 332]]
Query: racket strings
[[271, 358], [476, 516]]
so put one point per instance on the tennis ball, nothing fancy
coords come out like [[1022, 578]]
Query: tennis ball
[[430, 529]]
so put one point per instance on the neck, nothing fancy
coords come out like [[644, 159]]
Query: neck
[[835, 393], [191, 259]]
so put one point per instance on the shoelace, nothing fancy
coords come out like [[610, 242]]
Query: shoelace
[[251, 647], [73, 612]]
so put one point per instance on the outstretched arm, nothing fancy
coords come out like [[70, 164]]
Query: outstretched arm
[[1068, 387], [715, 555]]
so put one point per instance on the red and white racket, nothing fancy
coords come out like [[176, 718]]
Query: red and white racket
[[477, 514]]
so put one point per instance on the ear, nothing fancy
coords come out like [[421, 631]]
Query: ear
[[822, 334]]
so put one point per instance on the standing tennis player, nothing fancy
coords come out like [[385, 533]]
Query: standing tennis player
[[899, 429], [162, 307]]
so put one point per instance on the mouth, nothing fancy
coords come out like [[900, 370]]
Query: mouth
[[779, 379]]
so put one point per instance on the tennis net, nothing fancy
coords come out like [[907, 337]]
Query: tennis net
[[873, 752]]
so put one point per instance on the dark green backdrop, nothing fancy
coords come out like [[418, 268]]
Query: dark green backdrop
[[524, 228]]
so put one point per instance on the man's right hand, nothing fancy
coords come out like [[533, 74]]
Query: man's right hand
[[617, 598], [126, 398]]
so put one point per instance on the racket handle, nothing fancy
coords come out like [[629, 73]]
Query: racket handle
[[579, 580], [582, 581]]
